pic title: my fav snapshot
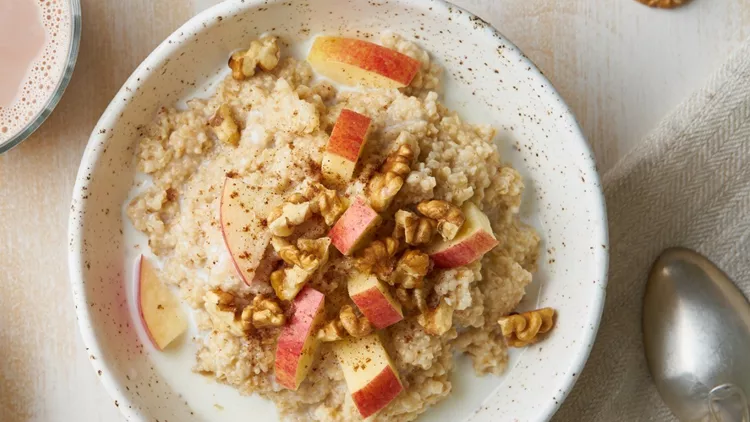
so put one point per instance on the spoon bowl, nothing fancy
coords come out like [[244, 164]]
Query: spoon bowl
[[696, 335]]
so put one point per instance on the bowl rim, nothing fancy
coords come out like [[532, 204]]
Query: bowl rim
[[94, 150]]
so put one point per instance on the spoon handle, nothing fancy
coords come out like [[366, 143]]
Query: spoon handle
[[728, 403]]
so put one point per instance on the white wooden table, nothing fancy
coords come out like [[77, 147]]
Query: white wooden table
[[620, 65]]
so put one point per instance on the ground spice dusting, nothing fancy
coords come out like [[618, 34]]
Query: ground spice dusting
[[181, 154]]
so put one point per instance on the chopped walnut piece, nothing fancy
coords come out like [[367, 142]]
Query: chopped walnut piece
[[224, 301], [385, 184], [449, 217], [355, 326], [285, 250], [295, 198], [222, 310], [437, 321], [317, 248], [283, 220], [299, 207], [246, 319], [305, 258], [415, 230], [411, 269], [523, 329], [308, 254], [267, 312], [377, 258], [287, 282], [263, 53], [224, 126], [332, 331], [327, 202], [420, 298], [413, 300]]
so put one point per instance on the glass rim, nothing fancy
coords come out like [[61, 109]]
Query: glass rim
[[62, 84]]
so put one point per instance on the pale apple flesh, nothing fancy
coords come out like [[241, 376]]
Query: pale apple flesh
[[370, 374], [344, 146], [473, 240], [355, 227], [356, 62], [298, 341], [374, 300], [160, 311], [336, 169], [242, 215]]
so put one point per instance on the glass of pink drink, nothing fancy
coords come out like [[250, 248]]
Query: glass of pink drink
[[38, 49]]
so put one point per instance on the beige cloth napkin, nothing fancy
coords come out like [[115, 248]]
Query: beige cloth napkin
[[687, 184]]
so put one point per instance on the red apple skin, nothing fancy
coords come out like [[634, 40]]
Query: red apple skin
[[349, 135], [376, 308], [465, 252], [352, 226], [370, 57], [297, 338], [378, 393]]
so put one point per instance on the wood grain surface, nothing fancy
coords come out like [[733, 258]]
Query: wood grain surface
[[620, 65]]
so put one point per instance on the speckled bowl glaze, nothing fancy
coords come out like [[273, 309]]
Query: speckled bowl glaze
[[487, 80]]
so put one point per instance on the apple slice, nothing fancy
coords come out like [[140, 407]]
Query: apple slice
[[159, 309], [344, 146], [356, 62], [242, 213], [374, 300], [298, 340], [473, 240], [355, 227], [369, 373]]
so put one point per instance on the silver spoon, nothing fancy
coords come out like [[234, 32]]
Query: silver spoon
[[696, 333]]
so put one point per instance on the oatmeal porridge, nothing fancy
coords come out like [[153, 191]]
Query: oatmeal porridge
[[338, 247]]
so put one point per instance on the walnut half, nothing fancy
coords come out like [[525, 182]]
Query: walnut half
[[411, 269], [263, 53], [449, 217], [377, 258], [326, 202], [415, 230], [523, 329], [385, 184], [355, 326], [267, 312]]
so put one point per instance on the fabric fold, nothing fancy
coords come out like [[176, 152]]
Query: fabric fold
[[687, 184]]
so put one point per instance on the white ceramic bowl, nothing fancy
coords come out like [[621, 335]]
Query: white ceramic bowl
[[487, 80]]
